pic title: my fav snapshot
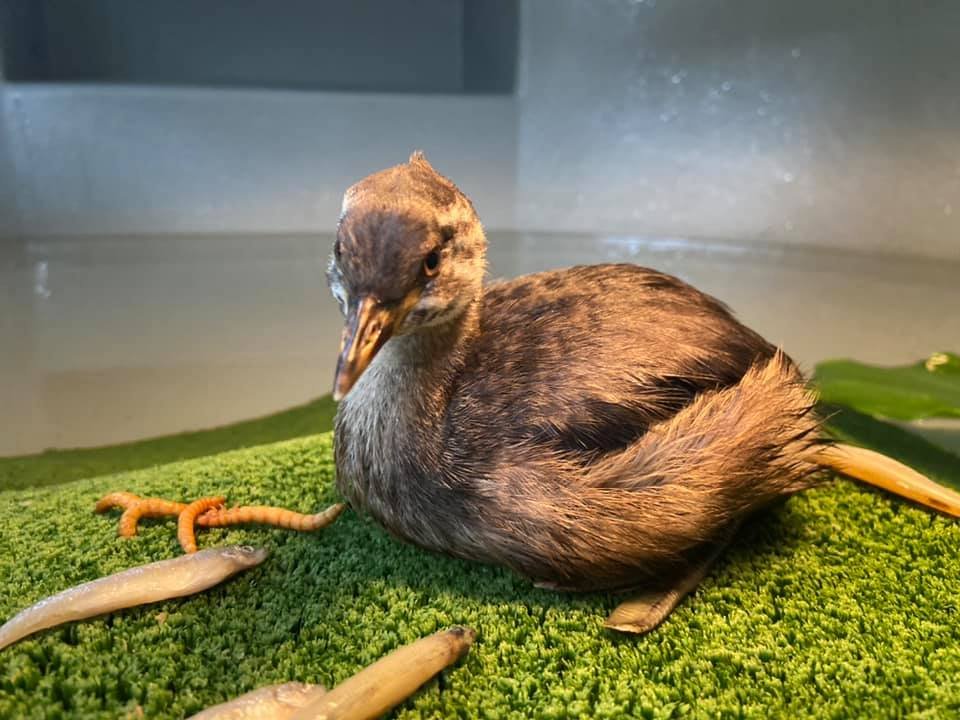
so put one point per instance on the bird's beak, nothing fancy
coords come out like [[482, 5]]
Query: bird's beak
[[369, 326]]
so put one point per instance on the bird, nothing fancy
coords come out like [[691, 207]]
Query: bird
[[597, 428]]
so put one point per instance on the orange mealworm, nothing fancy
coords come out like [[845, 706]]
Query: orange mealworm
[[116, 499], [278, 517], [146, 507], [187, 518]]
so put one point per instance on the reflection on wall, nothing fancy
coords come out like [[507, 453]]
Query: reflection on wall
[[817, 122]]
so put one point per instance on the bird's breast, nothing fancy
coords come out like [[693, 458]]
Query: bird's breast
[[372, 431], [386, 451]]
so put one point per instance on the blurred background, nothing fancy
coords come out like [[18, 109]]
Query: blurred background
[[171, 173]]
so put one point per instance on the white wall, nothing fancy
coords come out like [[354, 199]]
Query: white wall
[[799, 123], [816, 122], [102, 160]]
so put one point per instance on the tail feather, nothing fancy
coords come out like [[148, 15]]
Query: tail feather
[[886, 473], [645, 513], [641, 513]]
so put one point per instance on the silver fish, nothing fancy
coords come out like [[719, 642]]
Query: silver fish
[[391, 679], [273, 702], [180, 576]]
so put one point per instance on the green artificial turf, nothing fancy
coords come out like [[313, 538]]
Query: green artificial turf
[[841, 602], [59, 466]]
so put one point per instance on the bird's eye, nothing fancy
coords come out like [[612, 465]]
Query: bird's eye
[[431, 263], [336, 249]]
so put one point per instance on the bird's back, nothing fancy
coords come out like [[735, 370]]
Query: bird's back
[[586, 359]]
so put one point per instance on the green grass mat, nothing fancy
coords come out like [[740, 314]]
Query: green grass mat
[[840, 603], [58, 466]]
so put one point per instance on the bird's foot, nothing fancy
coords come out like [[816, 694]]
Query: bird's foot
[[648, 609], [643, 612]]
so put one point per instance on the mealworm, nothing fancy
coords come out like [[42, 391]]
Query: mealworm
[[146, 507], [278, 517], [187, 518], [116, 499]]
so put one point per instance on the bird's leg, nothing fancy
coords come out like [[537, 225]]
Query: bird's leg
[[646, 610]]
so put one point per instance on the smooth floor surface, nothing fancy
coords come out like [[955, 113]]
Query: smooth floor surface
[[104, 340]]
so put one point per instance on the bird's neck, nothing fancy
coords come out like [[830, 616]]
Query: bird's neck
[[404, 392], [389, 425], [430, 360]]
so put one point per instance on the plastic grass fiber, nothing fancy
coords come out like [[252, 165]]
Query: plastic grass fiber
[[841, 602]]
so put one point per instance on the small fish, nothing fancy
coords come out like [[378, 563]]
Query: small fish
[[184, 575], [273, 702], [392, 679]]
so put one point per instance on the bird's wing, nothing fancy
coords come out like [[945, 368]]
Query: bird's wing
[[586, 359]]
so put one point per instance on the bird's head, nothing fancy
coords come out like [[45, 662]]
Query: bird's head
[[409, 256]]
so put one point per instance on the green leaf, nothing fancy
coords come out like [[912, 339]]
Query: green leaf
[[927, 389], [856, 428]]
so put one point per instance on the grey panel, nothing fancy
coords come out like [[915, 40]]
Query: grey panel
[[424, 46], [22, 39], [360, 45], [490, 36]]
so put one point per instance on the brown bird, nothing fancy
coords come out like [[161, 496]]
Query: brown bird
[[602, 427]]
